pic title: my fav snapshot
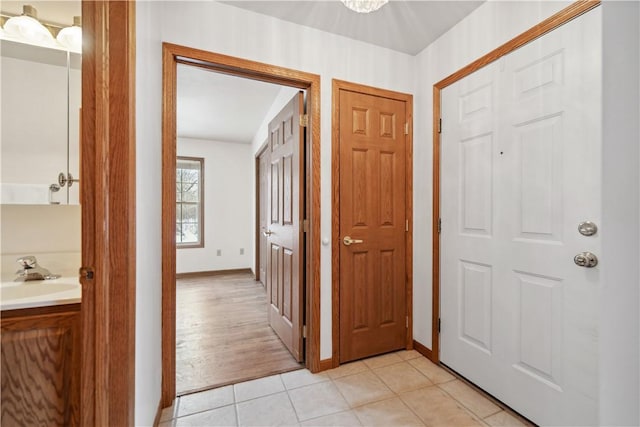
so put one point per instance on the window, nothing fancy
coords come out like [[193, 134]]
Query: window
[[189, 202]]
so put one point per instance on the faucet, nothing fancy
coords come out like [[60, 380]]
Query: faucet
[[30, 270]]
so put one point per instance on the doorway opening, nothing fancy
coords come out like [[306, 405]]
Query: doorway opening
[[223, 330], [178, 56]]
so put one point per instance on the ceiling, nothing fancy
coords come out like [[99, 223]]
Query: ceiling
[[219, 107], [405, 26]]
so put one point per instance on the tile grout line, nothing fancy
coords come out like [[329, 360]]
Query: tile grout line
[[473, 414], [295, 411]]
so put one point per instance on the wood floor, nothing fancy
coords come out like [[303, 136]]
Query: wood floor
[[223, 336]]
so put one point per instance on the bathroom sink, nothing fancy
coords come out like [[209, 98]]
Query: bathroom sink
[[28, 290], [14, 295]]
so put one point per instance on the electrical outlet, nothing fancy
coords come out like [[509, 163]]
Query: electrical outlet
[[219, 252], [241, 251]]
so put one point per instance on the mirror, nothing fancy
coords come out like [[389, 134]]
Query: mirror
[[41, 95]]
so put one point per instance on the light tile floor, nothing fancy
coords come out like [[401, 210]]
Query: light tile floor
[[397, 389]]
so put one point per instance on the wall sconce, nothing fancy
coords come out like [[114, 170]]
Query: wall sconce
[[27, 28], [71, 37]]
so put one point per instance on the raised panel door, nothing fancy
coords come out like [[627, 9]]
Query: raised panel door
[[521, 154], [372, 212], [285, 286]]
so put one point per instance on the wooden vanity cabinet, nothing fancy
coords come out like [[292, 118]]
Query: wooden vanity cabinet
[[40, 366]]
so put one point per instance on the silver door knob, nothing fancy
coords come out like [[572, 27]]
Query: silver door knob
[[348, 241], [586, 259], [587, 228], [267, 233]]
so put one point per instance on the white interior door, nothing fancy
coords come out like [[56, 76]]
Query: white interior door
[[521, 150]]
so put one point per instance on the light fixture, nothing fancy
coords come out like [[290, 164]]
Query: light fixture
[[27, 27], [364, 6], [71, 37]]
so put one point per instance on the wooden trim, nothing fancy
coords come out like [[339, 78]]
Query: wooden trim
[[409, 219], [326, 364], [200, 244], [562, 17], [39, 311], [169, 95], [257, 210], [549, 24], [435, 298], [209, 273], [335, 223], [423, 350], [172, 55], [337, 86], [107, 147], [156, 419]]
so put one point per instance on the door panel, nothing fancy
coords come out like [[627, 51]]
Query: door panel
[[372, 209], [286, 212], [520, 158]]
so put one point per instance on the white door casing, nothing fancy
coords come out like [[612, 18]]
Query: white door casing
[[520, 161]]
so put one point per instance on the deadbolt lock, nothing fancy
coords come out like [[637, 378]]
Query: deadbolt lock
[[587, 228]]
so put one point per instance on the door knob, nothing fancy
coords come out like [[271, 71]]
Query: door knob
[[348, 241], [267, 233], [587, 228], [586, 259]]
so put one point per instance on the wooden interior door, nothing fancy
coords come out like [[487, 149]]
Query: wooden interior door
[[285, 284], [263, 223], [373, 312]]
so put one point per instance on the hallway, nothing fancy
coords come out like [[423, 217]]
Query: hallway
[[223, 336]]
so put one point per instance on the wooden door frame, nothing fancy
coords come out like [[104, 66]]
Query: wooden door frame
[[337, 86], [259, 153], [108, 191], [172, 55], [562, 17]]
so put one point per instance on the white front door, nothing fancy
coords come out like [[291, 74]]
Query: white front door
[[520, 162]]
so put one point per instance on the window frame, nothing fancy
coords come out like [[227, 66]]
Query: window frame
[[200, 243]]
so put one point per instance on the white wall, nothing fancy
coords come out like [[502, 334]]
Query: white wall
[[620, 276], [233, 31], [224, 29], [148, 213], [50, 232], [228, 206]]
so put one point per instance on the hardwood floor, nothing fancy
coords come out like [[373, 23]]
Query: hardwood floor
[[223, 336]]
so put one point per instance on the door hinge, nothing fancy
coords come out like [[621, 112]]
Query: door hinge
[[440, 125], [304, 120], [407, 323], [439, 325], [406, 225], [304, 331], [86, 273], [406, 128], [305, 225], [439, 225]]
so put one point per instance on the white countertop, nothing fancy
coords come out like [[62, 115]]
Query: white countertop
[[40, 293]]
